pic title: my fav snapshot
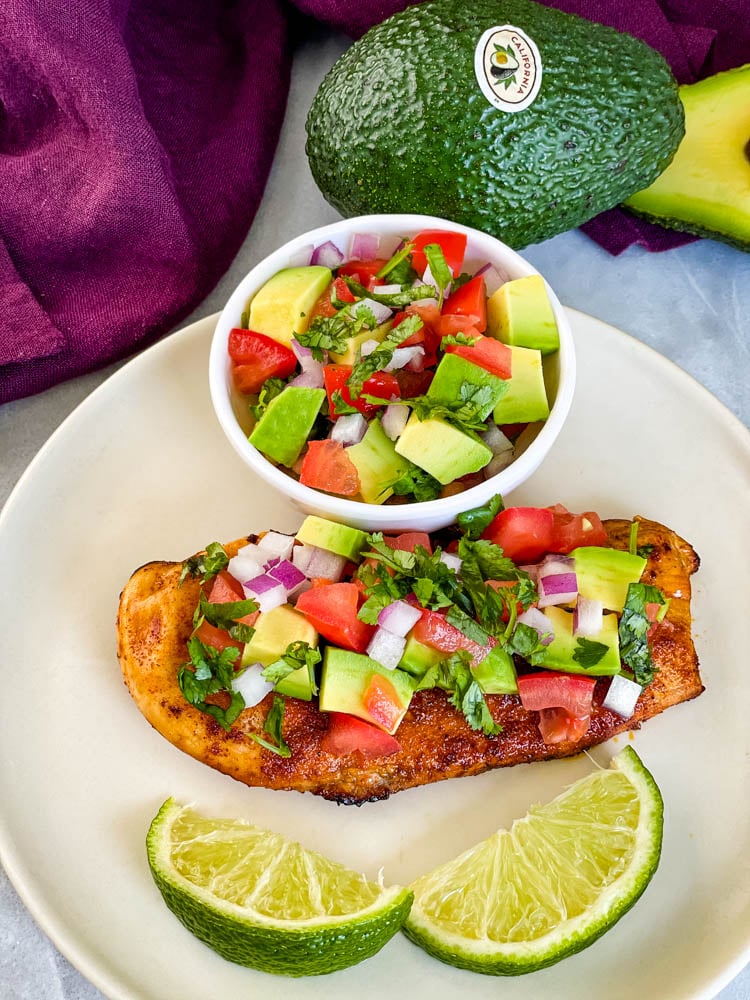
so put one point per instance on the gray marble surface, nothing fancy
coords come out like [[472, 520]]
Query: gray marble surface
[[691, 304]]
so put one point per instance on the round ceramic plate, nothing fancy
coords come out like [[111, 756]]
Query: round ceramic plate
[[141, 471]]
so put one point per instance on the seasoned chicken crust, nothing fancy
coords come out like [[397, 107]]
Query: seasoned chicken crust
[[155, 621]]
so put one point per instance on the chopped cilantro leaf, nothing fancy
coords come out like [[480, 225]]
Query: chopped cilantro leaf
[[272, 387], [453, 675], [464, 413], [331, 333], [588, 652], [206, 564], [210, 672], [297, 654], [273, 727], [394, 267], [396, 300], [460, 339], [439, 270], [467, 626], [223, 615], [633, 631], [417, 483], [473, 522]]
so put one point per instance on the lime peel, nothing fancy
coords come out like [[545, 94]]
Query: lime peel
[[193, 860], [564, 851]]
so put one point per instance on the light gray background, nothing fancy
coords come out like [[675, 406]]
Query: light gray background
[[691, 304]]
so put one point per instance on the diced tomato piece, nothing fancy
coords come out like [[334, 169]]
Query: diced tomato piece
[[414, 383], [219, 638], [363, 271], [407, 541], [523, 533], [453, 246], [469, 300], [324, 306], [488, 353], [343, 292], [571, 530], [256, 358], [381, 384], [652, 610], [556, 725], [428, 335], [382, 704], [225, 589], [326, 466], [347, 733], [332, 609], [551, 689], [433, 630]]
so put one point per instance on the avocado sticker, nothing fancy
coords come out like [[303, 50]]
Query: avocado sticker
[[508, 68]]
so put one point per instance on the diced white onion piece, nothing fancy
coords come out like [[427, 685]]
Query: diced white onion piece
[[364, 246], [349, 429], [403, 356], [622, 696], [493, 278], [494, 438], [327, 255], [451, 561], [588, 616], [266, 592], [557, 588], [428, 279], [388, 289], [288, 575], [302, 257], [299, 350], [394, 419], [379, 311], [252, 685], [555, 562], [243, 567], [399, 617], [316, 562], [497, 463], [386, 648], [276, 545], [368, 346], [312, 379], [541, 624]]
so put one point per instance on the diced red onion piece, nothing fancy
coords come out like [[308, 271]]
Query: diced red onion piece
[[312, 379], [260, 584], [451, 561], [368, 347], [386, 648], [497, 463], [288, 575], [494, 438], [428, 279], [316, 562], [276, 544], [327, 255], [622, 696], [403, 356], [349, 429], [588, 616], [557, 588], [493, 278], [364, 246], [541, 624], [379, 311], [394, 419], [252, 685], [302, 257], [244, 567], [399, 617], [300, 351], [267, 596]]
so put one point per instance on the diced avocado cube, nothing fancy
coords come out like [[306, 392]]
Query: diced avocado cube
[[281, 307], [274, 630], [526, 398], [520, 314], [605, 574], [282, 431], [559, 655], [496, 673], [298, 684], [455, 373], [417, 658], [341, 539], [346, 677], [377, 463], [354, 344], [441, 449]]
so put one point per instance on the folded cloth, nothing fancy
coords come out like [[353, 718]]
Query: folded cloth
[[136, 137]]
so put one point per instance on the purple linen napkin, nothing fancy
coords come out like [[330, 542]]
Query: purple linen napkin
[[136, 137]]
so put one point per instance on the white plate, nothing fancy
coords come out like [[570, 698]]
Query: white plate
[[142, 471]]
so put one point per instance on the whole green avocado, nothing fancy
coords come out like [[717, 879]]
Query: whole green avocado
[[419, 116]]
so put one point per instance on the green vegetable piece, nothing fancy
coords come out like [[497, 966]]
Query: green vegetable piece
[[520, 314], [332, 536], [282, 431], [526, 399], [377, 462], [275, 630], [605, 574], [454, 373], [496, 673], [597, 656], [281, 308], [441, 449], [346, 677]]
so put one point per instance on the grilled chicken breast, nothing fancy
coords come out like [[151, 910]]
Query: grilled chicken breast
[[155, 621]]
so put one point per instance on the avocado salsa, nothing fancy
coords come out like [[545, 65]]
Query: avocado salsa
[[393, 380], [529, 603]]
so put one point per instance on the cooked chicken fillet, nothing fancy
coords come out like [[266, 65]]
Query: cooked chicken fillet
[[155, 621]]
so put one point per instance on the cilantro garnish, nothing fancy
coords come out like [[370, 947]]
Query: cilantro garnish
[[210, 672], [297, 654], [272, 387], [245, 318], [527, 643], [225, 616], [417, 483], [273, 727], [398, 269], [633, 631], [396, 300], [481, 561], [465, 413], [382, 355], [439, 270], [206, 564], [644, 551], [453, 675], [588, 652], [331, 333], [467, 626], [459, 339], [473, 522]]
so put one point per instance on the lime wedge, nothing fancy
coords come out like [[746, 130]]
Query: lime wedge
[[552, 884], [265, 902]]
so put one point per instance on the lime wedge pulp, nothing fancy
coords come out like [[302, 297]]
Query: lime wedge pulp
[[550, 885], [265, 902]]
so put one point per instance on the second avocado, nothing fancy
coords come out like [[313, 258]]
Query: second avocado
[[413, 118]]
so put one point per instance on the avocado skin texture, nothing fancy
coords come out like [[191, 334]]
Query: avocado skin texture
[[400, 124], [705, 190]]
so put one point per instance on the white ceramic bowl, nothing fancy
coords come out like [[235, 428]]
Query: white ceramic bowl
[[432, 514]]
